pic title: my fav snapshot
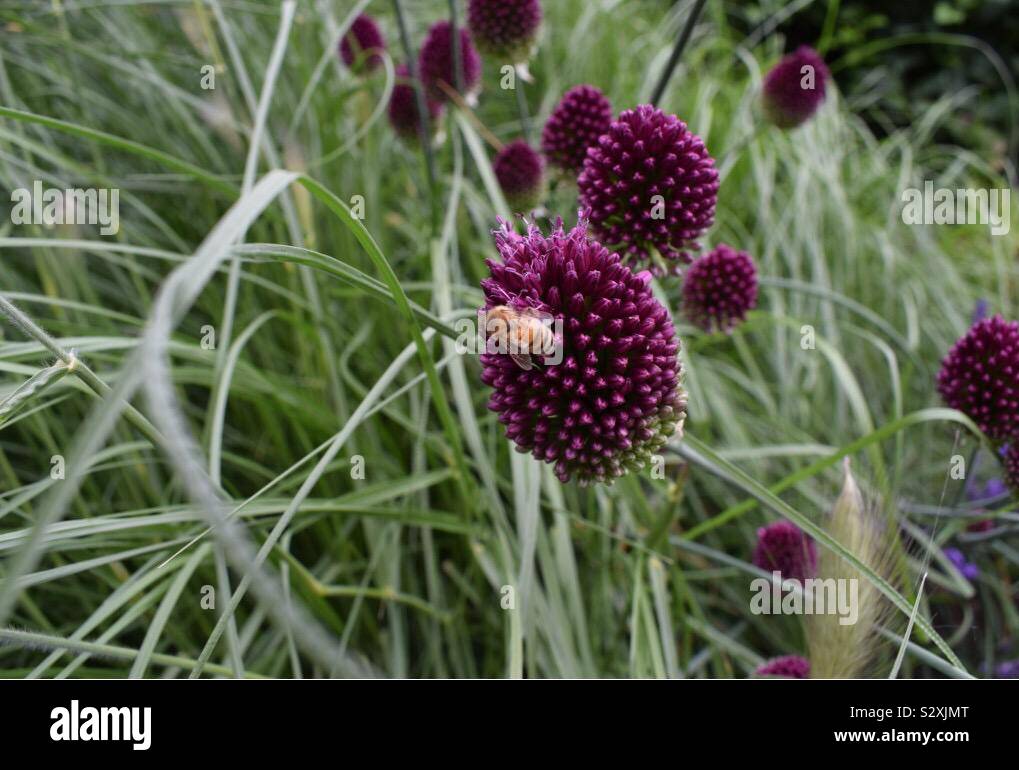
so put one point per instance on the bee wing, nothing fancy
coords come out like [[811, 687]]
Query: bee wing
[[523, 360]]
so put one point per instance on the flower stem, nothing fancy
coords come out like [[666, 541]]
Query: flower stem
[[457, 54], [419, 93], [525, 117], [677, 52]]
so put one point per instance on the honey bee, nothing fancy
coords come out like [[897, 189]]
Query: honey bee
[[521, 333]]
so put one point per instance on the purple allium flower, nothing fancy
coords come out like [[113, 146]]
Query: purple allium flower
[[615, 396], [789, 666], [795, 87], [719, 289], [980, 377], [651, 187], [505, 29], [521, 174], [582, 115], [785, 548], [969, 570], [364, 35], [403, 107], [1011, 463], [435, 61]]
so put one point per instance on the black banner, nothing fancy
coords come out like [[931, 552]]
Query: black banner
[[188, 718]]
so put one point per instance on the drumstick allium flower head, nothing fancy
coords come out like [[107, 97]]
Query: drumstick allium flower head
[[582, 115], [784, 547], [363, 36], [795, 88], [615, 395], [788, 666], [651, 188], [436, 62], [980, 377], [403, 107], [719, 289], [505, 29], [521, 174]]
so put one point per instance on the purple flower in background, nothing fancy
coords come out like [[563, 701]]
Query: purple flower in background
[[981, 525], [719, 289], [1008, 669], [582, 115], [435, 61], [784, 547], [789, 666], [403, 107], [980, 311], [795, 88], [505, 29], [521, 174], [969, 570], [980, 377], [364, 35], [992, 489], [651, 188], [615, 396]]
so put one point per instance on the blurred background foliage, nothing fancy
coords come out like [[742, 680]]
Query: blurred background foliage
[[895, 59]]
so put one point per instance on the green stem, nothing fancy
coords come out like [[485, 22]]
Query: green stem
[[677, 52]]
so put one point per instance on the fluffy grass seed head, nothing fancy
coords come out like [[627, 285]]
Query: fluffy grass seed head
[[436, 62], [787, 666], [403, 108], [582, 115], [521, 174], [506, 30], [651, 188], [980, 377], [795, 88], [615, 396], [847, 651], [719, 289], [364, 36]]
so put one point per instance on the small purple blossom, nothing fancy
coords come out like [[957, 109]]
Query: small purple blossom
[[521, 174], [615, 396], [582, 115], [403, 107], [991, 490], [788, 666], [719, 289], [1008, 669], [980, 377], [785, 548], [968, 570], [651, 188], [436, 62], [980, 311], [364, 35], [505, 29], [795, 87]]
